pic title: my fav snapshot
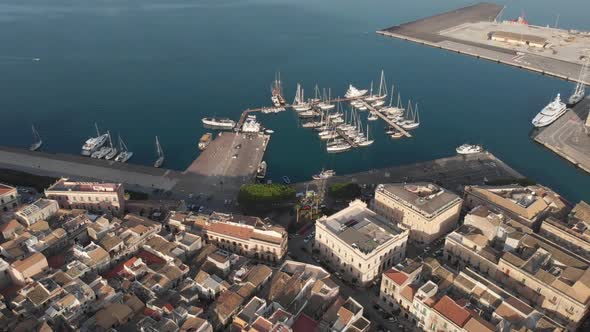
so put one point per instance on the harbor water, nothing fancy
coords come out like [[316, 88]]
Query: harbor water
[[142, 68]]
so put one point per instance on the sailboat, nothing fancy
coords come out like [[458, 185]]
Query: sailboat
[[580, 90], [372, 116], [325, 105], [160, 152], [299, 103], [113, 150], [381, 92], [276, 90], [124, 154], [414, 122], [37, 140], [366, 141]]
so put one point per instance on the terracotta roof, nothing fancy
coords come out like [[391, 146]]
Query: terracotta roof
[[11, 225], [262, 324], [28, 262], [396, 276], [478, 324], [452, 311], [244, 233], [409, 291], [4, 189], [258, 274], [519, 305], [304, 324]]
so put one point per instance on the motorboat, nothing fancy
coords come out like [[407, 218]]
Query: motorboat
[[469, 149], [353, 92], [92, 144], [223, 124], [324, 174]]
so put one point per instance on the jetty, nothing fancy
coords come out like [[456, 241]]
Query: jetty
[[390, 122]]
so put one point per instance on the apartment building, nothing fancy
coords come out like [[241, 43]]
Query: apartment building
[[96, 197], [248, 236], [360, 243], [427, 210], [527, 205], [572, 233], [8, 198]]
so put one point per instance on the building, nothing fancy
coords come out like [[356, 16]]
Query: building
[[527, 205], [360, 243], [542, 273], [8, 198], [519, 39], [92, 196], [573, 233], [427, 210], [247, 236], [41, 209], [22, 271]]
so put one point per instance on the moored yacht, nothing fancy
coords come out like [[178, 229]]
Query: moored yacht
[[550, 113], [469, 149], [353, 92], [223, 124], [324, 174], [124, 154], [92, 144]]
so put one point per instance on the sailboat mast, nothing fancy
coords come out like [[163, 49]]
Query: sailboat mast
[[96, 127]]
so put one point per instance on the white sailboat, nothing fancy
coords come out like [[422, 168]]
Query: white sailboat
[[381, 92], [580, 90], [124, 153], [372, 116], [414, 122], [299, 103], [366, 141], [92, 144], [160, 152], [113, 150], [37, 141]]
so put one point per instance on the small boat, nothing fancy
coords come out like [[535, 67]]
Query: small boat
[[378, 103], [381, 92], [160, 153], [397, 134], [124, 154], [261, 171], [112, 149], [307, 114], [100, 153], [372, 116], [286, 180], [365, 141], [299, 103], [324, 174], [550, 113], [342, 147], [37, 141], [205, 141], [469, 149], [413, 123], [269, 131], [362, 108]]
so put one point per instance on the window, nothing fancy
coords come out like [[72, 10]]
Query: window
[[360, 266]]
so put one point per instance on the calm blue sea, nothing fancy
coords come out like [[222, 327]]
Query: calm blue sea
[[155, 67]]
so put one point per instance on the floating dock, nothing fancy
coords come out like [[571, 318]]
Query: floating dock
[[468, 30], [567, 136], [390, 122]]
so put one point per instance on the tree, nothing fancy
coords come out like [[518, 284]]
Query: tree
[[344, 190], [265, 195]]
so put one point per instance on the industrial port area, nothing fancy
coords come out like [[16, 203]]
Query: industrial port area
[[449, 243]]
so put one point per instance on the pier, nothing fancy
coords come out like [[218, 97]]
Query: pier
[[390, 122], [567, 136], [466, 31]]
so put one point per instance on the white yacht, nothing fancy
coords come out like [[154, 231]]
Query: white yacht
[[223, 124], [251, 125], [92, 144], [299, 103], [381, 92], [469, 149], [324, 174], [550, 113], [353, 92], [100, 153], [338, 148]]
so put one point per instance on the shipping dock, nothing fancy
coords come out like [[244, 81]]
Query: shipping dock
[[480, 31], [568, 136]]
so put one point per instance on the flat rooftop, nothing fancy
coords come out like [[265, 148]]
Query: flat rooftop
[[360, 227], [468, 30], [426, 198], [65, 185]]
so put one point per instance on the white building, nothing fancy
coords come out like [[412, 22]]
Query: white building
[[41, 209], [8, 198], [92, 196], [359, 242]]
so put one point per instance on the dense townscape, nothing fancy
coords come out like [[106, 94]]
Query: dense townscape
[[495, 258]]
